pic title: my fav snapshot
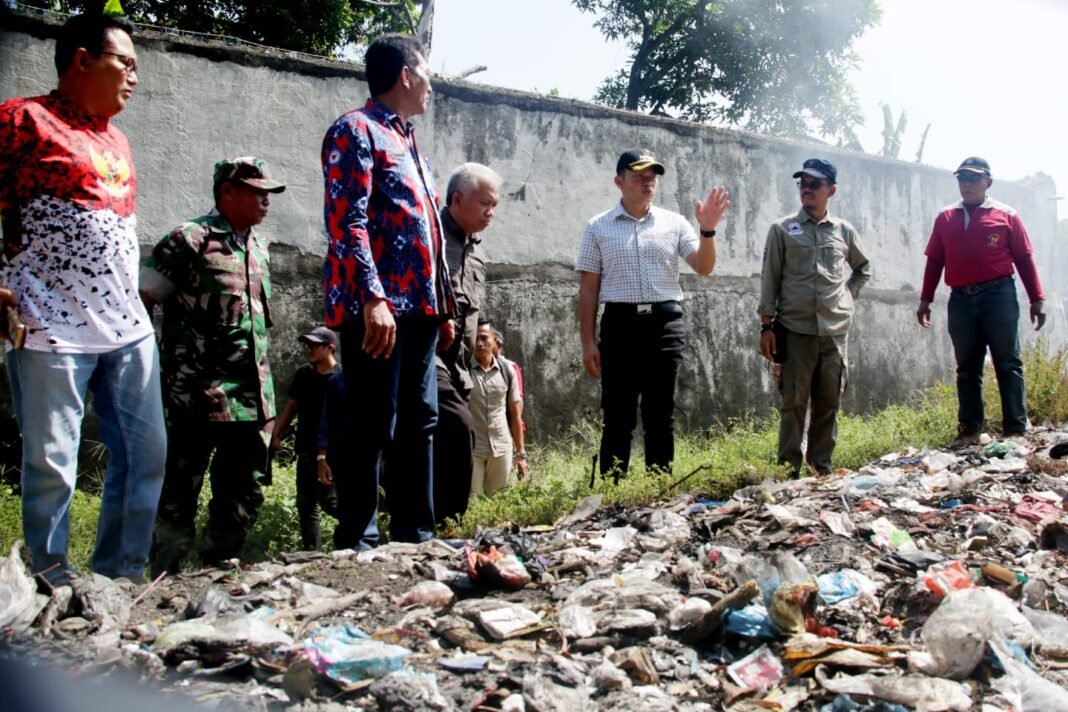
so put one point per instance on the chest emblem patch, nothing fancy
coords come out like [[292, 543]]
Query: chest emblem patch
[[114, 172], [794, 228], [993, 239]]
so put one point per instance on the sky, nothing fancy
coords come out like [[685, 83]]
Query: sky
[[990, 76]]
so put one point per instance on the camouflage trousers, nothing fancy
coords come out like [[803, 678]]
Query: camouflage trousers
[[239, 470]]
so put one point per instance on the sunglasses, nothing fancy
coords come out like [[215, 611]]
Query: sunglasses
[[810, 184], [971, 178]]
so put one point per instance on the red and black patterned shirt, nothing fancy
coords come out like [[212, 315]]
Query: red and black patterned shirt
[[384, 237]]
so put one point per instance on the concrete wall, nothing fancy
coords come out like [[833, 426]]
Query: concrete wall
[[196, 103]]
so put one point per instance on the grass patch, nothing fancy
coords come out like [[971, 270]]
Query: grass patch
[[733, 454]]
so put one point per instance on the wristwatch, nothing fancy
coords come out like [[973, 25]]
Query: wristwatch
[[767, 327], [521, 455], [708, 233], [320, 458]]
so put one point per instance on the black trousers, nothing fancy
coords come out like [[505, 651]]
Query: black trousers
[[311, 497], [238, 473], [393, 404], [454, 443], [640, 358]]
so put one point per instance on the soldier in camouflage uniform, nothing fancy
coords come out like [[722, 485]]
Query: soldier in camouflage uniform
[[212, 277]]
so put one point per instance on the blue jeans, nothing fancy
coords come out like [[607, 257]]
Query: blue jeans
[[989, 319], [48, 391], [393, 404]]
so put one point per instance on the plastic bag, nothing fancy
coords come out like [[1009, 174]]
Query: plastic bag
[[957, 632], [346, 654], [428, 593], [1024, 688]]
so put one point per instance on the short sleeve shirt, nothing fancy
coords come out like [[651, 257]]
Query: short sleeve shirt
[[67, 201], [637, 258], [213, 350], [490, 396]]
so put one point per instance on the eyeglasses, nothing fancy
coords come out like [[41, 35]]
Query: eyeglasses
[[809, 184], [128, 62], [971, 178]]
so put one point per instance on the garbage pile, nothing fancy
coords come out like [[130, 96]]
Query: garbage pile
[[931, 580]]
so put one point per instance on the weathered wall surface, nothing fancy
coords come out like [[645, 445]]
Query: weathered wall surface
[[196, 103]]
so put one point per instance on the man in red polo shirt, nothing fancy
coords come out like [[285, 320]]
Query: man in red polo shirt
[[977, 241]]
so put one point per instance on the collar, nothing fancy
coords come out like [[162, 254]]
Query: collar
[[455, 231], [74, 114], [619, 211], [987, 203], [383, 114], [218, 223], [493, 364], [803, 216]]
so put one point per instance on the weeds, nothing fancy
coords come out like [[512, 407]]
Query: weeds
[[736, 453]]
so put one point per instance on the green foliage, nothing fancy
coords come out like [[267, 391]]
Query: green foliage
[[762, 65], [322, 28], [84, 511]]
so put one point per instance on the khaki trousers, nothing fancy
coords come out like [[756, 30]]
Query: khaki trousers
[[815, 369], [490, 473]]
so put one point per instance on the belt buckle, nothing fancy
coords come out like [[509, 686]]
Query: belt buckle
[[973, 289], [643, 308]]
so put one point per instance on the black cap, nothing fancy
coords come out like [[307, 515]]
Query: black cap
[[320, 335], [973, 164], [818, 168], [638, 159]]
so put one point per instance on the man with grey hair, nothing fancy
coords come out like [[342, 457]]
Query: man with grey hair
[[470, 199]]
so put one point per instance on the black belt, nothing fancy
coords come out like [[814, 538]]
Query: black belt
[[973, 289], [670, 307]]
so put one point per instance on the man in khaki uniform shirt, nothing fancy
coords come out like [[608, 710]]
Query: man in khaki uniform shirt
[[806, 306], [496, 408]]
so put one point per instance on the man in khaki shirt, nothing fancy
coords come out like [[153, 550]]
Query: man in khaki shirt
[[496, 408], [806, 306]]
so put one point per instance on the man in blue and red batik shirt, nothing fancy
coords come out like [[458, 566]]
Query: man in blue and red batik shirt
[[387, 291], [978, 241]]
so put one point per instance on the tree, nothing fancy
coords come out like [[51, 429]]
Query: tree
[[765, 65], [323, 27]]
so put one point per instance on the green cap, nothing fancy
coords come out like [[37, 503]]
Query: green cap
[[248, 170]]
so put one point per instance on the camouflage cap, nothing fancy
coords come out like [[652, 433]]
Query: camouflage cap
[[251, 171]]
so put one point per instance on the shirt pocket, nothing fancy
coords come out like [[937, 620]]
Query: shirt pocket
[[222, 291], [799, 257], [833, 253]]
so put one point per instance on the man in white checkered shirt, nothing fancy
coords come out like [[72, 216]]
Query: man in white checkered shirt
[[629, 261]]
